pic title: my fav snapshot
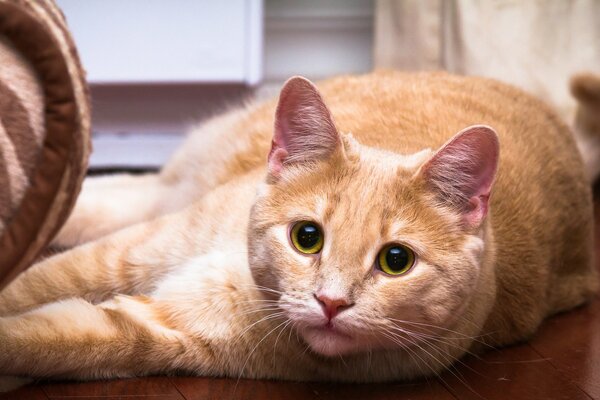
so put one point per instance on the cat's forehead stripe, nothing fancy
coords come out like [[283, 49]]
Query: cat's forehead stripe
[[411, 161], [396, 227], [387, 159], [320, 206], [330, 205]]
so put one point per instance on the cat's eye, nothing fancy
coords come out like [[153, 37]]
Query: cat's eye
[[307, 237], [395, 259]]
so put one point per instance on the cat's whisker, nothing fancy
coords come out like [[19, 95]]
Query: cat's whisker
[[370, 353], [293, 328], [263, 319], [429, 334], [369, 359], [252, 303], [473, 324], [424, 325], [463, 349], [250, 308], [450, 360], [288, 323], [342, 359], [438, 350], [441, 339], [254, 349], [427, 341], [306, 348], [259, 301], [258, 310], [262, 288], [448, 366], [412, 353], [453, 360]]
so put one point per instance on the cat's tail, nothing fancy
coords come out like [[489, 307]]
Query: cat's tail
[[585, 88]]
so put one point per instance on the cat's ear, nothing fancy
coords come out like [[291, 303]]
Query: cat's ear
[[304, 128], [461, 172]]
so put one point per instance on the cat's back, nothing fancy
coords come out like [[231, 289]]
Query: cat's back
[[406, 112], [540, 167]]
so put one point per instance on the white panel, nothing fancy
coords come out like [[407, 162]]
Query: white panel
[[140, 125], [254, 42], [317, 39], [133, 150], [165, 41]]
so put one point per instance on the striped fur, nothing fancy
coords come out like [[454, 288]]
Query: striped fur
[[205, 280]]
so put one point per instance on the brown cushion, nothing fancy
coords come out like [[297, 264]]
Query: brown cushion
[[44, 129]]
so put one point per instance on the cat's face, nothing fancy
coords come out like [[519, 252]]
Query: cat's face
[[360, 206], [359, 249]]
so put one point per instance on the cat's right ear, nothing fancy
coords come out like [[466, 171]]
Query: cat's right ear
[[462, 172], [304, 128]]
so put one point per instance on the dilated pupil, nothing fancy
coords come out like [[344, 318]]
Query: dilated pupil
[[308, 236], [396, 258]]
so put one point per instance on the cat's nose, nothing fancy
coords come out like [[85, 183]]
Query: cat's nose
[[332, 306]]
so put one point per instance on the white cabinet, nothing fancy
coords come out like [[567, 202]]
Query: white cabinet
[[156, 66], [168, 41]]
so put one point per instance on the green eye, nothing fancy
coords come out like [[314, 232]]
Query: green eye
[[395, 259], [307, 237]]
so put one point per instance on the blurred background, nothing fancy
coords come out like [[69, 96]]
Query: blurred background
[[156, 67]]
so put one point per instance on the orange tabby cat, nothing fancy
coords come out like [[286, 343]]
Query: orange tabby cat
[[371, 243]]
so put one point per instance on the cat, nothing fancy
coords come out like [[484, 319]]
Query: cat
[[375, 229]]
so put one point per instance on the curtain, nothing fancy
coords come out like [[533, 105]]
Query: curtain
[[535, 44]]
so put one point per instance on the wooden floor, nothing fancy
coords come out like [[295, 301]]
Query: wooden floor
[[561, 362]]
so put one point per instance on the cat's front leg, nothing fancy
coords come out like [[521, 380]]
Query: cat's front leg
[[130, 261], [77, 340]]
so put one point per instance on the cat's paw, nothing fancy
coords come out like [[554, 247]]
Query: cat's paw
[[9, 383]]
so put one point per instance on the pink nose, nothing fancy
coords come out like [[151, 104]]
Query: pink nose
[[331, 307]]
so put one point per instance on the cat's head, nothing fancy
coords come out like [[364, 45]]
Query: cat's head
[[358, 245]]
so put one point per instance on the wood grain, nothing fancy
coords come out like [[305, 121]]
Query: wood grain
[[571, 341], [193, 388], [426, 390], [150, 386], [31, 392], [514, 373]]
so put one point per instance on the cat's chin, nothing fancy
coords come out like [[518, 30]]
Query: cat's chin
[[329, 342]]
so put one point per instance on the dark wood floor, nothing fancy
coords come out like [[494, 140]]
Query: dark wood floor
[[561, 362]]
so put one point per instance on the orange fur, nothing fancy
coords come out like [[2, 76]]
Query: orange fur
[[212, 286]]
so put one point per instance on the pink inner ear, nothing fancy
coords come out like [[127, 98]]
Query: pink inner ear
[[277, 156], [463, 170], [304, 128]]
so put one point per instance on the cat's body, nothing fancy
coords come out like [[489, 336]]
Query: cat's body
[[177, 293]]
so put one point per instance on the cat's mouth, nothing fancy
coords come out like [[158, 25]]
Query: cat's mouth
[[328, 340], [330, 329]]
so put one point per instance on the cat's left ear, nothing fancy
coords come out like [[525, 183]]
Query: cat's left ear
[[462, 172], [304, 128]]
